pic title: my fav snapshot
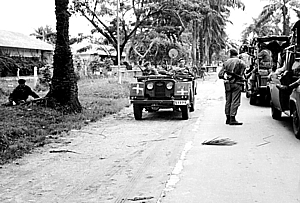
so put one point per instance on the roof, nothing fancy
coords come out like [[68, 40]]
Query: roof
[[272, 38], [19, 40]]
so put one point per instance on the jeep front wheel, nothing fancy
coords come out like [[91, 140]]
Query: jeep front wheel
[[185, 112], [192, 101], [192, 108], [137, 111], [296, 124]]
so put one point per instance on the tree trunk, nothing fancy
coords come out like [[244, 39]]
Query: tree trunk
[[201, 47], [63, 93], [210, 54], [194, 43], [285, 19]]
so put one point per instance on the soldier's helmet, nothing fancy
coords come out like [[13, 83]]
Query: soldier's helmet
[[233, 52], [21, 81]]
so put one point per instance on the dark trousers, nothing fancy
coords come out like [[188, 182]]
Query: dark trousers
[[233, 98]]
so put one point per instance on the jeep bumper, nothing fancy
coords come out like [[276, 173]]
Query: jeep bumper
[[161, 103]]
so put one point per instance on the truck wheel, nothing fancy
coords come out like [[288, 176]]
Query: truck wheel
[[137, 111], [296, 123], [276, 114], [252, 100], [185, 112], [267, 99], [247, 94]]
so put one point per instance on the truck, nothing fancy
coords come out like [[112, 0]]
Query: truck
[[259, 83], [288, 101]]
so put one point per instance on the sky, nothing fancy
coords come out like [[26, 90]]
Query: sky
[[241, 19], [25, 16]]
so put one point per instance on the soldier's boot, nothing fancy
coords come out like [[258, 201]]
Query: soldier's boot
[[234, 122], [227, 119]]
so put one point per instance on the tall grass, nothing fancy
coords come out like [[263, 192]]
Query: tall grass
[[23, 128]]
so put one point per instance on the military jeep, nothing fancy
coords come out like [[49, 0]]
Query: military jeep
[[155, 92]]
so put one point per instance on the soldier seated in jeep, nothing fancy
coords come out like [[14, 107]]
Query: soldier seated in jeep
[[149, 70]]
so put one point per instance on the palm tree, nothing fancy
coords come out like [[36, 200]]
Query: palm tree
[[213, 25], [45, 33], [63, 91], [282, 6], [256, 29]]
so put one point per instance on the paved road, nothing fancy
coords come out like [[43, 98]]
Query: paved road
[[264, 165]]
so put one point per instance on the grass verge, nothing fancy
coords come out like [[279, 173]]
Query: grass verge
[[23, 128]]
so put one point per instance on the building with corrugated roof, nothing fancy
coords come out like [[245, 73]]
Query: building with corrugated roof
[[18, 44]]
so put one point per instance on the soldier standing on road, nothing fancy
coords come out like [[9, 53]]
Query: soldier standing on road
[[232, 73]]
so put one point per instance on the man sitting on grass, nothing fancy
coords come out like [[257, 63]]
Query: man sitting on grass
[[20, 94]]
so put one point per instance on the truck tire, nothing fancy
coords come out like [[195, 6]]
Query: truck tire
[[185, 112], [267, 99], [252, 100], [296, 123], [276, 114], [137, 111], [247, 94]]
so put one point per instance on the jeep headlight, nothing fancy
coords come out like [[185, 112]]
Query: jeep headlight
[[169, 85], [150, 86]]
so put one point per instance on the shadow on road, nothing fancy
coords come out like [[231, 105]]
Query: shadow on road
[[287, 122], [162, 115]]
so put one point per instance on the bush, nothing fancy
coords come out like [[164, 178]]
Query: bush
[[9, 65]]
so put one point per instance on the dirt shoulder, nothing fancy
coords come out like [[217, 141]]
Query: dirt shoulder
[[104, 162]]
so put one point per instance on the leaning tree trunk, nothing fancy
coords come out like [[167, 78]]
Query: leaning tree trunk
[[64, 91]]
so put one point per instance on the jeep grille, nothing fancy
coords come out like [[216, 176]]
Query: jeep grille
[[160, 89]]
